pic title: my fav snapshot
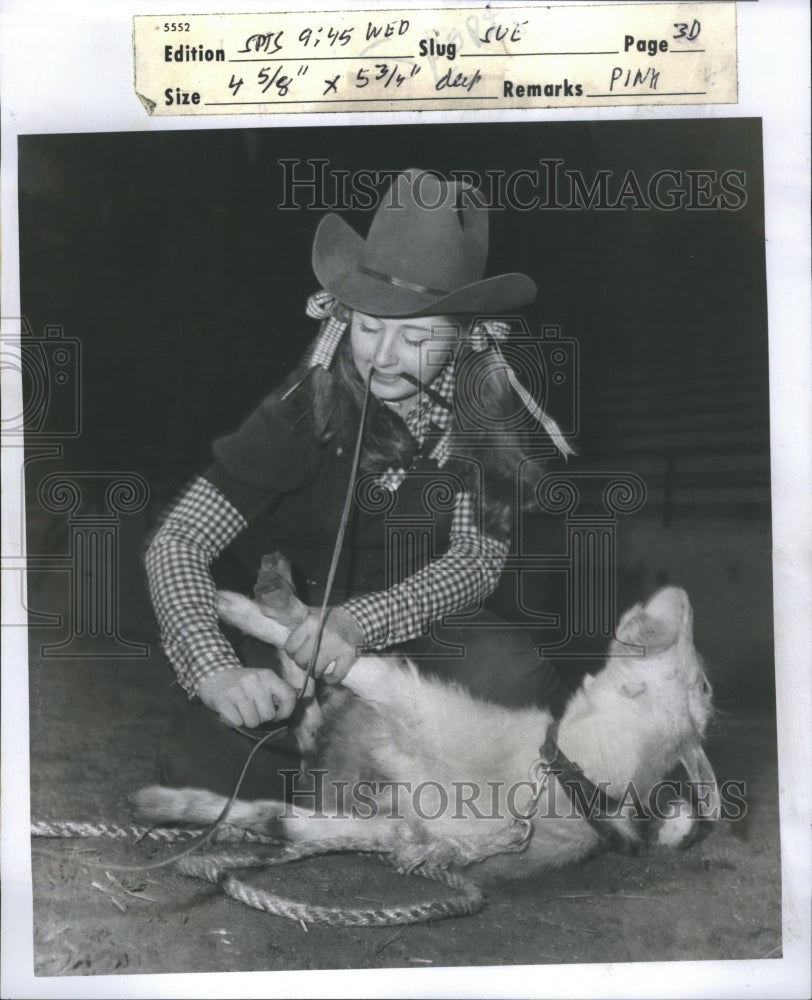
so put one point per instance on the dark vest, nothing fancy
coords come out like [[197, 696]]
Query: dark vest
[[292, 492]]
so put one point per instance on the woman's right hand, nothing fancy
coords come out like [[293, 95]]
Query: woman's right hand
[[247, 696]]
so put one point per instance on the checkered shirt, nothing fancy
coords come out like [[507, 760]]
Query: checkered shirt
[[194, 532], [465, 574], [203, 522]]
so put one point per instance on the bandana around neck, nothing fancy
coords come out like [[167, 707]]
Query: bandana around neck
[[431, 414]]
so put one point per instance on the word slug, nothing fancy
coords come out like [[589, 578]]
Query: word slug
[[429, 47]]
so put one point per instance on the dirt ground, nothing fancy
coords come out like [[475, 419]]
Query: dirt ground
[[95, 726]]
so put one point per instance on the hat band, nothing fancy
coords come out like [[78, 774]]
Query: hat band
[[412, 286]]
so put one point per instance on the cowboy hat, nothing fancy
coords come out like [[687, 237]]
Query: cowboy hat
[[424, 255]]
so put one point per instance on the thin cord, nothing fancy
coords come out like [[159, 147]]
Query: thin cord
[[342, 527], [195, 843]]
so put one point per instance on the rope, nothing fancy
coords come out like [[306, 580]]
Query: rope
[[167, 835], [215, 868]]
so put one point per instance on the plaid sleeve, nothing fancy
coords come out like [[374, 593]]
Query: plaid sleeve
[[465, 574], [196, 529]]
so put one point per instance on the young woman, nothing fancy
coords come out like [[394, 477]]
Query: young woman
[[444, 450]]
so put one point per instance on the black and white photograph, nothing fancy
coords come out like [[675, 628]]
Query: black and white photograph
[[397, 518]]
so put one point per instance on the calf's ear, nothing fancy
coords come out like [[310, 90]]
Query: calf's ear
[[654, 634], [659, 623]]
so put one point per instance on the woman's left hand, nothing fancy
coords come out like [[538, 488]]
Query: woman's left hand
[[340, 638]]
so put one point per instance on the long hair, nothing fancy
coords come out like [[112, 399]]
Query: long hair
[[491, 450], [493, 439], [337, 396]]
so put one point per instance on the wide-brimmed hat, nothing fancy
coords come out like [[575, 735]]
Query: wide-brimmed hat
[[424, 255]]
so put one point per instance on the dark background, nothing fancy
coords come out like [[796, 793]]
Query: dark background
[[166, 256]]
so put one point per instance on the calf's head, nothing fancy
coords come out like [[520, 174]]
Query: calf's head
[[670, 683], [651, 704]]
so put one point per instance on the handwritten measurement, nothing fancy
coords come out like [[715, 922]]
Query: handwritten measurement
[[382, 72]]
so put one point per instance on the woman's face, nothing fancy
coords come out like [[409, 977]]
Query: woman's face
[[420, 347]]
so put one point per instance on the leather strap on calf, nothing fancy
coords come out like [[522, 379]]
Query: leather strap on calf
[[603, 813]]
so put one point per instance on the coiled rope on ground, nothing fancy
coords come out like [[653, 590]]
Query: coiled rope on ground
[[467, 897], [217, 869]]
